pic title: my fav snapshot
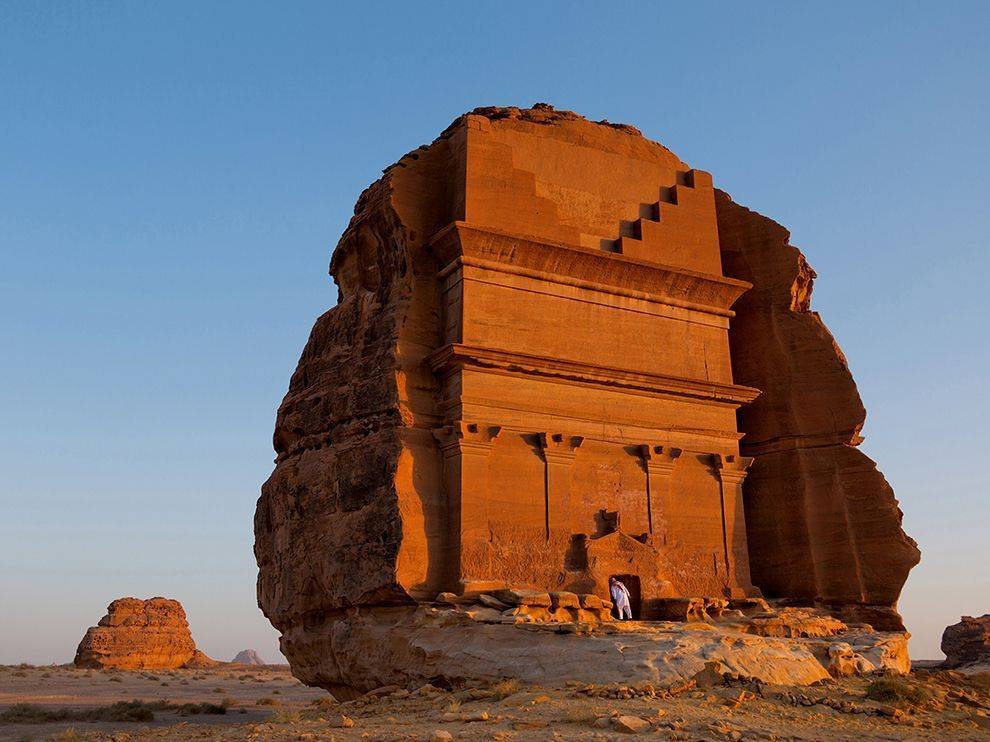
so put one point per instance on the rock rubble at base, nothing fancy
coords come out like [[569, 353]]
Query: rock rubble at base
[[461, 642]]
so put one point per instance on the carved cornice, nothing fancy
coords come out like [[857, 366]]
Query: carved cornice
[[559, 447], [456, 356], [463, 243], [461, 437]]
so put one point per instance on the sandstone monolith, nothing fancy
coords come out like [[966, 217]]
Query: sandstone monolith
[[141, 634], [560, 354]]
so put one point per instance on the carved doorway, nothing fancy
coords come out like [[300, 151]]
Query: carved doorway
[[635, 597]]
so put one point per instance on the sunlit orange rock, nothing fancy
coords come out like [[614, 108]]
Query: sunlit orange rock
[[141, 634], [560, 355]]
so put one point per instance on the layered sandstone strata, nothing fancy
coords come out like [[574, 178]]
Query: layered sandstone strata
[[141, 634], [545, 330]]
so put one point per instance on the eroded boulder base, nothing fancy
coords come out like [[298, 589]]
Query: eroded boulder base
[[468, 643]]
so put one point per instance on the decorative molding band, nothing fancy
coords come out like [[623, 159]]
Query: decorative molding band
[[455, 356], [487, 247]]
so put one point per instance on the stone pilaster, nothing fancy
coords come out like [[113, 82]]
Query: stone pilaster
[[466, 451], [731, 471], [659, 462], [559, 450]]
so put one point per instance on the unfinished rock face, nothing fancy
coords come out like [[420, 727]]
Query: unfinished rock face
[[823, 523], [545, 329], [141, 634], [967, 643]]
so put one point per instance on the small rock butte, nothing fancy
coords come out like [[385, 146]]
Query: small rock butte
[[138, 634]]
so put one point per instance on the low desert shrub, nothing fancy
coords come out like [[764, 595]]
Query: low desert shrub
[[579, 715], [897, 690], [134, 711], [27, 713], [194, 709], [505, 688]]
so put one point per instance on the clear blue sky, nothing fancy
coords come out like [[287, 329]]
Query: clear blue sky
[[173, 177]]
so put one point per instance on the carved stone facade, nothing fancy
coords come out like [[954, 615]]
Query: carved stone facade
[[560, 355], [605, 360]]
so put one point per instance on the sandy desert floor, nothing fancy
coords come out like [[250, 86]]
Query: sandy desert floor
[[269, 704]]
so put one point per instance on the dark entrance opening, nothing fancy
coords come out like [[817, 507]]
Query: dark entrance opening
[[635, 599]]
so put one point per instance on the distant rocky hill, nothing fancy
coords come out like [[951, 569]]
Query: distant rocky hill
[[247, 657], [141, 634]]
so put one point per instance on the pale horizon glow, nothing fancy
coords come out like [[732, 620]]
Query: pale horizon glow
[[174, 176]]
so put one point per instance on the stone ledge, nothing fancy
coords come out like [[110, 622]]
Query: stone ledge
[[454, 356]]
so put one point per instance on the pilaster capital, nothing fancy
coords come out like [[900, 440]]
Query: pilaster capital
[[466, 438], [659, 460], [559, 447], [731, 468]]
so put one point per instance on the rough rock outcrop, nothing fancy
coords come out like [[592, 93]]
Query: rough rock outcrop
[[545, 330], [967, 643], [141, 634], [247, 657], [823, 523], [410, 646]]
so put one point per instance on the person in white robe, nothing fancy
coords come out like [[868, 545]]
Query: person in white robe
[[620, 596]]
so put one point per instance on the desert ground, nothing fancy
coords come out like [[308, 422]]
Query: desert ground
[[263, 703]]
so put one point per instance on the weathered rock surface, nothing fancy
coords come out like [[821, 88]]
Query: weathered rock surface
[[967, 643], [823, 523], [485, 411], [141, 634], [247, 657], [365, 649]]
